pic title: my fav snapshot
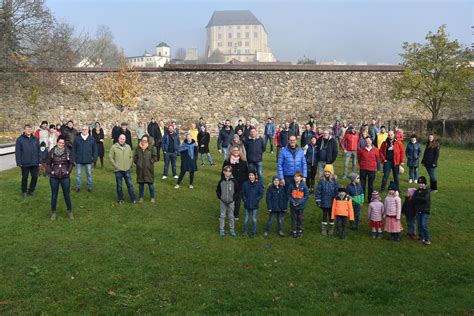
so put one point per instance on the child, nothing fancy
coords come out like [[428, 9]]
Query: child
[[227, 191], [252, 193], [44, 157], [298, 194], [341, 210], [355, 191], [325, 194], [276, 204], [393, 212], [410, 213], [422, 205], [375, 213]]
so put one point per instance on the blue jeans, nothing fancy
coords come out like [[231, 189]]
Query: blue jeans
[[423, 231], [141, 190], [254, 214], [350, 155], [170, 157], [411, 225], [258, 167], [413, 173], [431, 173], [269, 138], [225, 150], [321, 165], [387, 167], [66, 186], [88, 168], [279, 216], [209, 158], [119, 175]]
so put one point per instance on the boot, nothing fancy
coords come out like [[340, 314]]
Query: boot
[[324, 228], [434, 186], [374, 235], [331, 229]]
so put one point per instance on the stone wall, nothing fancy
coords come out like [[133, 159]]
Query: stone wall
[[184, 93]]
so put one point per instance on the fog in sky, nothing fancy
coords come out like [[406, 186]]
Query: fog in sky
[[352, 31]]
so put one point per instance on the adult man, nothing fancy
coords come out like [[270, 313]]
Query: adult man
[[392, 154], [373, 130], [115, 132], [85, 153], [284, 135], [171, 145], [152, 130], [42, 133], [306, 135], [121, 157], [128, 135], [224, 138], [269, 133], [254, 147], [200, 123], [290, 161], [69, 133], [368, 158], [349, 144], [326, 151], [247, 128], [295, 128], [27, 155]]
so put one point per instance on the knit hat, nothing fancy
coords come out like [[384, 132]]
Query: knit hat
[[410, 192], [375, 196], [422, 179], [353, 176], [275, 178], [236, 136], [43, 144], [329, 168], [341, 189], [392, 186]]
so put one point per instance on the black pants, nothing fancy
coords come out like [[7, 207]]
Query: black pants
[[327, 215], [370, 175], [312, 170], [297, 218], [158, 149], [341, 226], [181, 176], [237, 203], [33, 170]]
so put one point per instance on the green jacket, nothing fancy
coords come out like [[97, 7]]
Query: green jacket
[[144, 160], [121, 157]]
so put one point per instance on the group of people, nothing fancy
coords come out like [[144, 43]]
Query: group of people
[[55, 149]]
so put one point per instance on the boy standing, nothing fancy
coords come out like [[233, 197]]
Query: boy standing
[[298, 194], [227, 191]]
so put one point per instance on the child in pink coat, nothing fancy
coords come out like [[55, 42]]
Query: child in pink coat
[[393, 213], [376, 212]]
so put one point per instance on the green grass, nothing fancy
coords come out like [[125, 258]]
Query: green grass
[[168, 257]]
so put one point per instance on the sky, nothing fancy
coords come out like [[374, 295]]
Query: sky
[[351, 30]]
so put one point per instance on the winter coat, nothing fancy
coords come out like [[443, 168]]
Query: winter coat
[[115, 133], [298, 194], [203, 139], [276, 198], [413, 153], [380, 139], [269, 129], [311, 156], [166, 142], [331, 149], [326, 192], [376, 211], [283, 137], [27, 151], [306, 137], [69, 135], [407, 208], [289, 162], [144, 160], [121, 157], [228, 190], [188, 164], [356, 193], [252, 193], [430, 156], [342, 206], [350, 142], [398, 152], [368, 159], [254, 149], [240, 171], [128, 137], [295, 128], [84, 151], [224, 138], [393, 206], [60, 167], [153, 130], [44, 155], [100, 145], [422, 201]]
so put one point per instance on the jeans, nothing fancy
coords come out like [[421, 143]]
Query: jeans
[[170, 157], [229, 210], [341, 226], [225, 151], [269, 138], [411, 225], [141, 190], [65, 185], [297, 218], [387, 166], [258, 167], [423, 231], [321, 165], [248, 213], [88, 168], [413, 173], [128, 181], [350, 155], [209, 158], [431, 173], [181, 176], [327, 215], [34, 171], [279, 216], [356, 208], [370, 176]]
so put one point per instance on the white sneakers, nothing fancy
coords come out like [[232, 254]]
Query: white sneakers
[[164, 177], [176, 177], [410, 181]]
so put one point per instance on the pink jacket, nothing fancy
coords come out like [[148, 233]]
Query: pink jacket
[[393, 206], [376, 211]]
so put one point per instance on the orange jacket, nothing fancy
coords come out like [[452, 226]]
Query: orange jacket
[[342, 208]]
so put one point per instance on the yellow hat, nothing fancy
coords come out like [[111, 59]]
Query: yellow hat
[[329, 168]]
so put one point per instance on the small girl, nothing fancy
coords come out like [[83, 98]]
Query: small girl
[[393, 212], [376, 212], [325, 194], [422, 205], [252, 193], [277, 204], [341, 210], [189, 155], [410, 213]]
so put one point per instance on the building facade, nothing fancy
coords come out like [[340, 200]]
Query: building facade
[[161, 58]]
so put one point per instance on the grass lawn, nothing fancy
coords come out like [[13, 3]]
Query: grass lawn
[[169, 258]]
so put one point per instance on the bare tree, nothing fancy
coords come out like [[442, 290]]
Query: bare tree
[[180, 54], [102, 49]]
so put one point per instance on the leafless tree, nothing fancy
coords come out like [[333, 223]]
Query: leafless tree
[[102, 49]]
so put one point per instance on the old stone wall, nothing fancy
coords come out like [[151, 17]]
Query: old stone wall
[[186, 94]]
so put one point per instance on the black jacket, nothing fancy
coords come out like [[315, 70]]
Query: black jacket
[[225, 137], [27, 151], [422, 200], [430, 156], [331, 149], [254, 149], [240, 171], [203, 140]]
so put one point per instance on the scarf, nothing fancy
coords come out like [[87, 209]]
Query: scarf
[[58, 151], [190, 148], [143, 146], [234, 160]]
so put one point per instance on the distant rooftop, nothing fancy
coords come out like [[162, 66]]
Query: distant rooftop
[[233, 17], [162, 44]]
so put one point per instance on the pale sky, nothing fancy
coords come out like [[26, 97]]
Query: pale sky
[[350, 30]]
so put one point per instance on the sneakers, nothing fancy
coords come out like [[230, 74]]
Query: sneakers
[[344, 177], [176, 177], [221, 233], [77, 190], [410, 181], [24, 194], [70, 215], [295, 234], [134, 202], [232, 233], [89, 190], [176, 186], [121, 202], [53, 216], [152, 200], [191, 186], [416, 181], [164, 177], [265, 234], [236, 218], [280, 233], [140, 200], [427, 242], [300, 233]]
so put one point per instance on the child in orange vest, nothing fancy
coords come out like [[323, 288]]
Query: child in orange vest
[[341, 210]]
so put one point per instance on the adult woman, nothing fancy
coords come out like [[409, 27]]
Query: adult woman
[[203, 139], [189, 154], [237, 141], [430, 160], [240, 172], [144, 158], [60, 164], [98, 135]]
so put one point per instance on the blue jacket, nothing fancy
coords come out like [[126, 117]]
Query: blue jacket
[[277, 201], [326, 192], [311, 155], [27, 151], [413, 153], [289, 164], [269, 129], [251, 194], [224, 138], [356, 193], [84, 151], [166, 141], [254, 149], [298, 194]]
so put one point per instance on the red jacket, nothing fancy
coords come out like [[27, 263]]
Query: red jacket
[[350, 142], [399, 136], [398, 152], [368, 159]]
